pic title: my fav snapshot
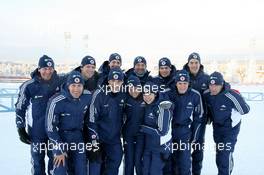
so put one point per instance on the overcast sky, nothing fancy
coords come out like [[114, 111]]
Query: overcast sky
[[151, 28]]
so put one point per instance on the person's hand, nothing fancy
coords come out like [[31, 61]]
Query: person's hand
[[23, 136], [59, 159]]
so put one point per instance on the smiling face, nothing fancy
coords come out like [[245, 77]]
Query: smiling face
[[115, 85], [194, 66], [215, 89], [182, 87], [115, 64], [149, 97], [140, 68], [46, 73], [164, 71], [87, 71], [134, 91], [76, 90]]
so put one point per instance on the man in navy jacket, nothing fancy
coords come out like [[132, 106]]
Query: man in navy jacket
[[64, 125], [114, 61], [31, 103], [199, 82], [89, 74], [140, 70], [225, 107], [106, 121], [167, 71], [188, 112]]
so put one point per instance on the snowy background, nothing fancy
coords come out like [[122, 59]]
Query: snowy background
[[248, 156]]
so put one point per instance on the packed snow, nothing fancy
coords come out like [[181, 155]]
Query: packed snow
[[248, 156]]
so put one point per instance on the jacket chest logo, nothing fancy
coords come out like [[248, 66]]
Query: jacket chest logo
[[38, 96], [222, 107], [204, 86], [189, 105], [143, 104], [65, 114], [151, 115], [121, 104]]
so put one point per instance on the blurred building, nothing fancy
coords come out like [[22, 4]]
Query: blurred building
[[243, 71]]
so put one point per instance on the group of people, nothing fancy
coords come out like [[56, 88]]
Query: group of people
[[86, 121]]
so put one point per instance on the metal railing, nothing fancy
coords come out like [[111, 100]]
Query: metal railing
[[8, 97], [253, 96]]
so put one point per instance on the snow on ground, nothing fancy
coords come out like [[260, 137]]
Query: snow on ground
[[248, 156]]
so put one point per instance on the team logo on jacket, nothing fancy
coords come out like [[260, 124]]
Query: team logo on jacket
[[122, 103], [190, 105], [204, 86], [65, 114], [143, 104], [38, 96], [151, 115], [223, 108]]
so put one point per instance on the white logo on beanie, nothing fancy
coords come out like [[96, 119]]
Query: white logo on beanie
[[212, 82], [163, 63], [195, 56], [92, 61], [49, 64], [77, 80], [115, 76], [139, 60], [117, 57], [182, 78]]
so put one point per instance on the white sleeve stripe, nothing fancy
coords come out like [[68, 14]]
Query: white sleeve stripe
[[201, 103], [196, 131], [160, 118], [236, 103], [51, 111], [151, 129], [20, 118], [93, 131], [22, 94], [92, 108]]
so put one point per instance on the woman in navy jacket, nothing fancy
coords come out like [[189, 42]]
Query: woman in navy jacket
[[157, 130]]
